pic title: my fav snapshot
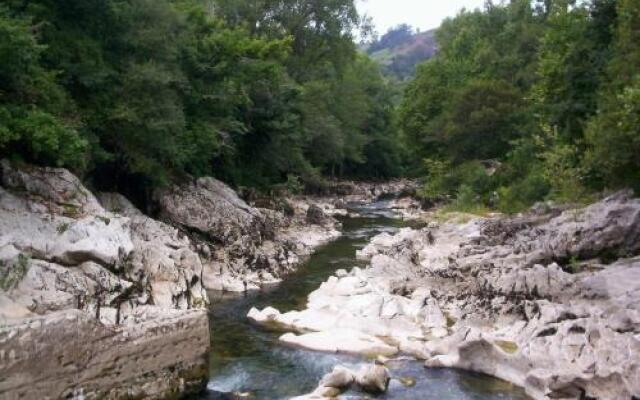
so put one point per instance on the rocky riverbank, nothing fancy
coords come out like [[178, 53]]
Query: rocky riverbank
[[100, 300], [548, 300]]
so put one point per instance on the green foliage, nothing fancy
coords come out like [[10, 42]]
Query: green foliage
[[11, 273], [444, 181], [401, 49], [523, 102], [35, 115], [468, 201], [62, 228], [294, 184], [520, 194], [613, 135], [436, 180], [521, 178], [551, 92], [614, 139], [139, 93], [562, 170], [480, 120], [569, 69], [321, 30]]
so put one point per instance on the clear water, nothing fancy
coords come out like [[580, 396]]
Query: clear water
[[249, 361]]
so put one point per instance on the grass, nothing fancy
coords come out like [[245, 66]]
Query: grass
[[12, 274], [62, 228], [453, 214], [475, 209]]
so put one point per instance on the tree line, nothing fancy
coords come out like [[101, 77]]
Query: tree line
[[524, 101], [527, 101], [135, 94]]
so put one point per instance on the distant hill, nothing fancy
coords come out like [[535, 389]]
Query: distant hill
[[401, 49]]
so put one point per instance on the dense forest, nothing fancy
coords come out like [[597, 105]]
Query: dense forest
[[524, 101], [529, 101], [132, 94]]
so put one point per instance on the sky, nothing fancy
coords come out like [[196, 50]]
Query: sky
[[423, 14]]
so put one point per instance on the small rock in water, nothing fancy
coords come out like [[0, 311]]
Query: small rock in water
[[382, 360], [407, 381], [373, 379], [340, 378], [332, 384]]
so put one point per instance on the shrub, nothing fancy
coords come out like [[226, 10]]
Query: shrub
[[522, 194], [467, 201], [443, 180]]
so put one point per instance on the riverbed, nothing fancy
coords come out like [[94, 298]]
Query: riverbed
[[247, 361]]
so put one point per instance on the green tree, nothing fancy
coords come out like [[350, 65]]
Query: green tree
[[36, 116], [572, 54], [481, 120], [613, 135]]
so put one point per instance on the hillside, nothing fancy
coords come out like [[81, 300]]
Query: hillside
[[401, 49]]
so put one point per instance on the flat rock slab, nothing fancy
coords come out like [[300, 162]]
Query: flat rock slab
[[341, 341], [68, 354]]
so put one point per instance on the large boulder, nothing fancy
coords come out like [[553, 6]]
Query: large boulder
[[91, 257], [340, 378], [53, 258], [163, 258], [113, 286], [315, 215], [346, 341], [54, 190], [241, 247], [212, 209], [373, 379]]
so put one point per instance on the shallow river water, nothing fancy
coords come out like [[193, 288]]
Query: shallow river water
[[249, 360]]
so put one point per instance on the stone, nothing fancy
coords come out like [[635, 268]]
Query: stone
[[212, 208], [345, 341], [241, 247], [55, 190], [162, 355], [373, 379], [340, 378], [548, 300], [122, 292], [266, 316], [315, 215]]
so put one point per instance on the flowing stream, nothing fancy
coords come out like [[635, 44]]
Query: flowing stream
[[249, 361]]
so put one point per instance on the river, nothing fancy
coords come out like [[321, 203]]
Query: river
[[249, 361]]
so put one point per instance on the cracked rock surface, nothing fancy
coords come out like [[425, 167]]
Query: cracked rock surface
[[548, 300], [243, 247], [94, 303], [124, 292]]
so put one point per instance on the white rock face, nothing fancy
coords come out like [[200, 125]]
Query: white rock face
[[346, 341], [65, 353], [101, 238], [163, 259], [94, 302], [529, 299], [66, 256], [241, 247]]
